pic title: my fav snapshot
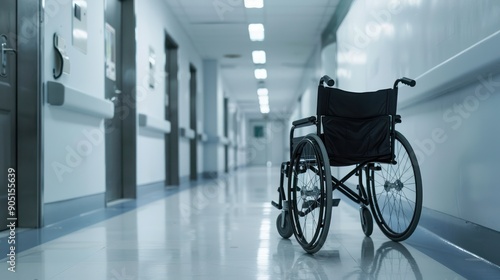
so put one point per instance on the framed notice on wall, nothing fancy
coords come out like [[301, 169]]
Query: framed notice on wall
[[80, 33], [110, 52]]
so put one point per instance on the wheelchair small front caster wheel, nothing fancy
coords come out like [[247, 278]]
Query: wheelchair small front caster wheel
[[284, 229], [366, 221]]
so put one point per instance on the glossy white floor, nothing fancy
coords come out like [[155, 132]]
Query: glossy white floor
[[225, 229]]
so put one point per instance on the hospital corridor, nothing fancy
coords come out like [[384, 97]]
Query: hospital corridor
[[249, 139]]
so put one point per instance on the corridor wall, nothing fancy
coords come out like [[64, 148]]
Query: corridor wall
[[154, 20], [450, 117], [73, 143]]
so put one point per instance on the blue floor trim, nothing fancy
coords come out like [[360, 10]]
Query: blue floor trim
[[29, 238], [451, 256]]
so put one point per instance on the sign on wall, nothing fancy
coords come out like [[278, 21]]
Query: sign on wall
[[80, 33], [110, 52]]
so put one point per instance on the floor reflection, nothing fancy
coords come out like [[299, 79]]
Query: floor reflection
[[391, 260], [299, 265]]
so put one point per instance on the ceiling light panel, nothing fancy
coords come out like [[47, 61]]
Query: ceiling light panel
[[263, 100], [264, 109], [249, 4], [259, 57], [260, 74], [262, 92], [256, 31]]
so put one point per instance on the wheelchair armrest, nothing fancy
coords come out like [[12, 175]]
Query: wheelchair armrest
[[304, 122]]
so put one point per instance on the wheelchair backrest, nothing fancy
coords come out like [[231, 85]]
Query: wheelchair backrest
[[356, 105], [357, 126]]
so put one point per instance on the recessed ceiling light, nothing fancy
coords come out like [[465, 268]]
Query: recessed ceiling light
[[264, 109], [254, 4], [259, 57], [260, 74], [256, 31], [262, 92], [264, 100]]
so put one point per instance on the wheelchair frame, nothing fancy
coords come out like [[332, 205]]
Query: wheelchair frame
[[286, 224]]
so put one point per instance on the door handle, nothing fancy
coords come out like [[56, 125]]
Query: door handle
[[3, 58]]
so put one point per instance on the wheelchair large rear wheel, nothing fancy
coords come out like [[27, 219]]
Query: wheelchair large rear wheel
[[395, 192], [310, 193]]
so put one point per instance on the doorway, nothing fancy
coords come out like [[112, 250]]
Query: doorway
[[226, 134], [121, 130], [8, 103], [113, 85], [172, 112], [193, 143]]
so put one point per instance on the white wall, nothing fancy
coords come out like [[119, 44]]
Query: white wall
[[74, 165], [380, 41], [307, 93], [154, 19]]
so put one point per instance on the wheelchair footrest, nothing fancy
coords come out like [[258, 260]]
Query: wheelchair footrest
[[335, 202], [276, 205]]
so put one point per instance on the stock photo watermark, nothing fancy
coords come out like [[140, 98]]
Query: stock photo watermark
[[379, 23], [223, 6], [122, 275], [455, 116], [11, 219], [92, 138]]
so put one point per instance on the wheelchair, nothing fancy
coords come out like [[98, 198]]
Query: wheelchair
[[352, 129]]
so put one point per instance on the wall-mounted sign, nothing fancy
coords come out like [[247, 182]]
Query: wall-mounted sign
[[110, 52], [80, 33], [152, 66]]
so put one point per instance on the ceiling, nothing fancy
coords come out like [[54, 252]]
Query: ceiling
[[292, 32]]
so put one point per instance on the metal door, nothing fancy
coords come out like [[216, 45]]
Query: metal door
[[8, 93], [113, 85], [193, 143]]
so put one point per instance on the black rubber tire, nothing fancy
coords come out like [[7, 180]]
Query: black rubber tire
[[395, 192], [366, 221], [285, 231], [310, 193]]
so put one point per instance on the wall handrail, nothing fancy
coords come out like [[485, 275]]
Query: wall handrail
[[74, 100], [154, 124], [459, 70]]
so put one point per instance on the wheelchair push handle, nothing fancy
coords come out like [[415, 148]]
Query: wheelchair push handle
[[326, 79], [406, 81]]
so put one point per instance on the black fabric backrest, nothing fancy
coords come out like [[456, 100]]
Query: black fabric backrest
[[356, 126], [341, 103]]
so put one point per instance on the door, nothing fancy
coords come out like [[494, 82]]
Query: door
[[172, 112], [226, 134], [193, 143], [8, 93], [113, 85]]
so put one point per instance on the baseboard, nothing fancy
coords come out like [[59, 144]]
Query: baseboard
[[145, 189], [210, 175], [476, 239], [72, 208]]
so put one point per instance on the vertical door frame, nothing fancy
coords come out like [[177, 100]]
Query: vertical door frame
[[193, 143], [226, 134], [30, 167], [129, 101], [129, 94], [172, 174]]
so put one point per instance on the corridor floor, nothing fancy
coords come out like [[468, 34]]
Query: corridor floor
[[225, 229]]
